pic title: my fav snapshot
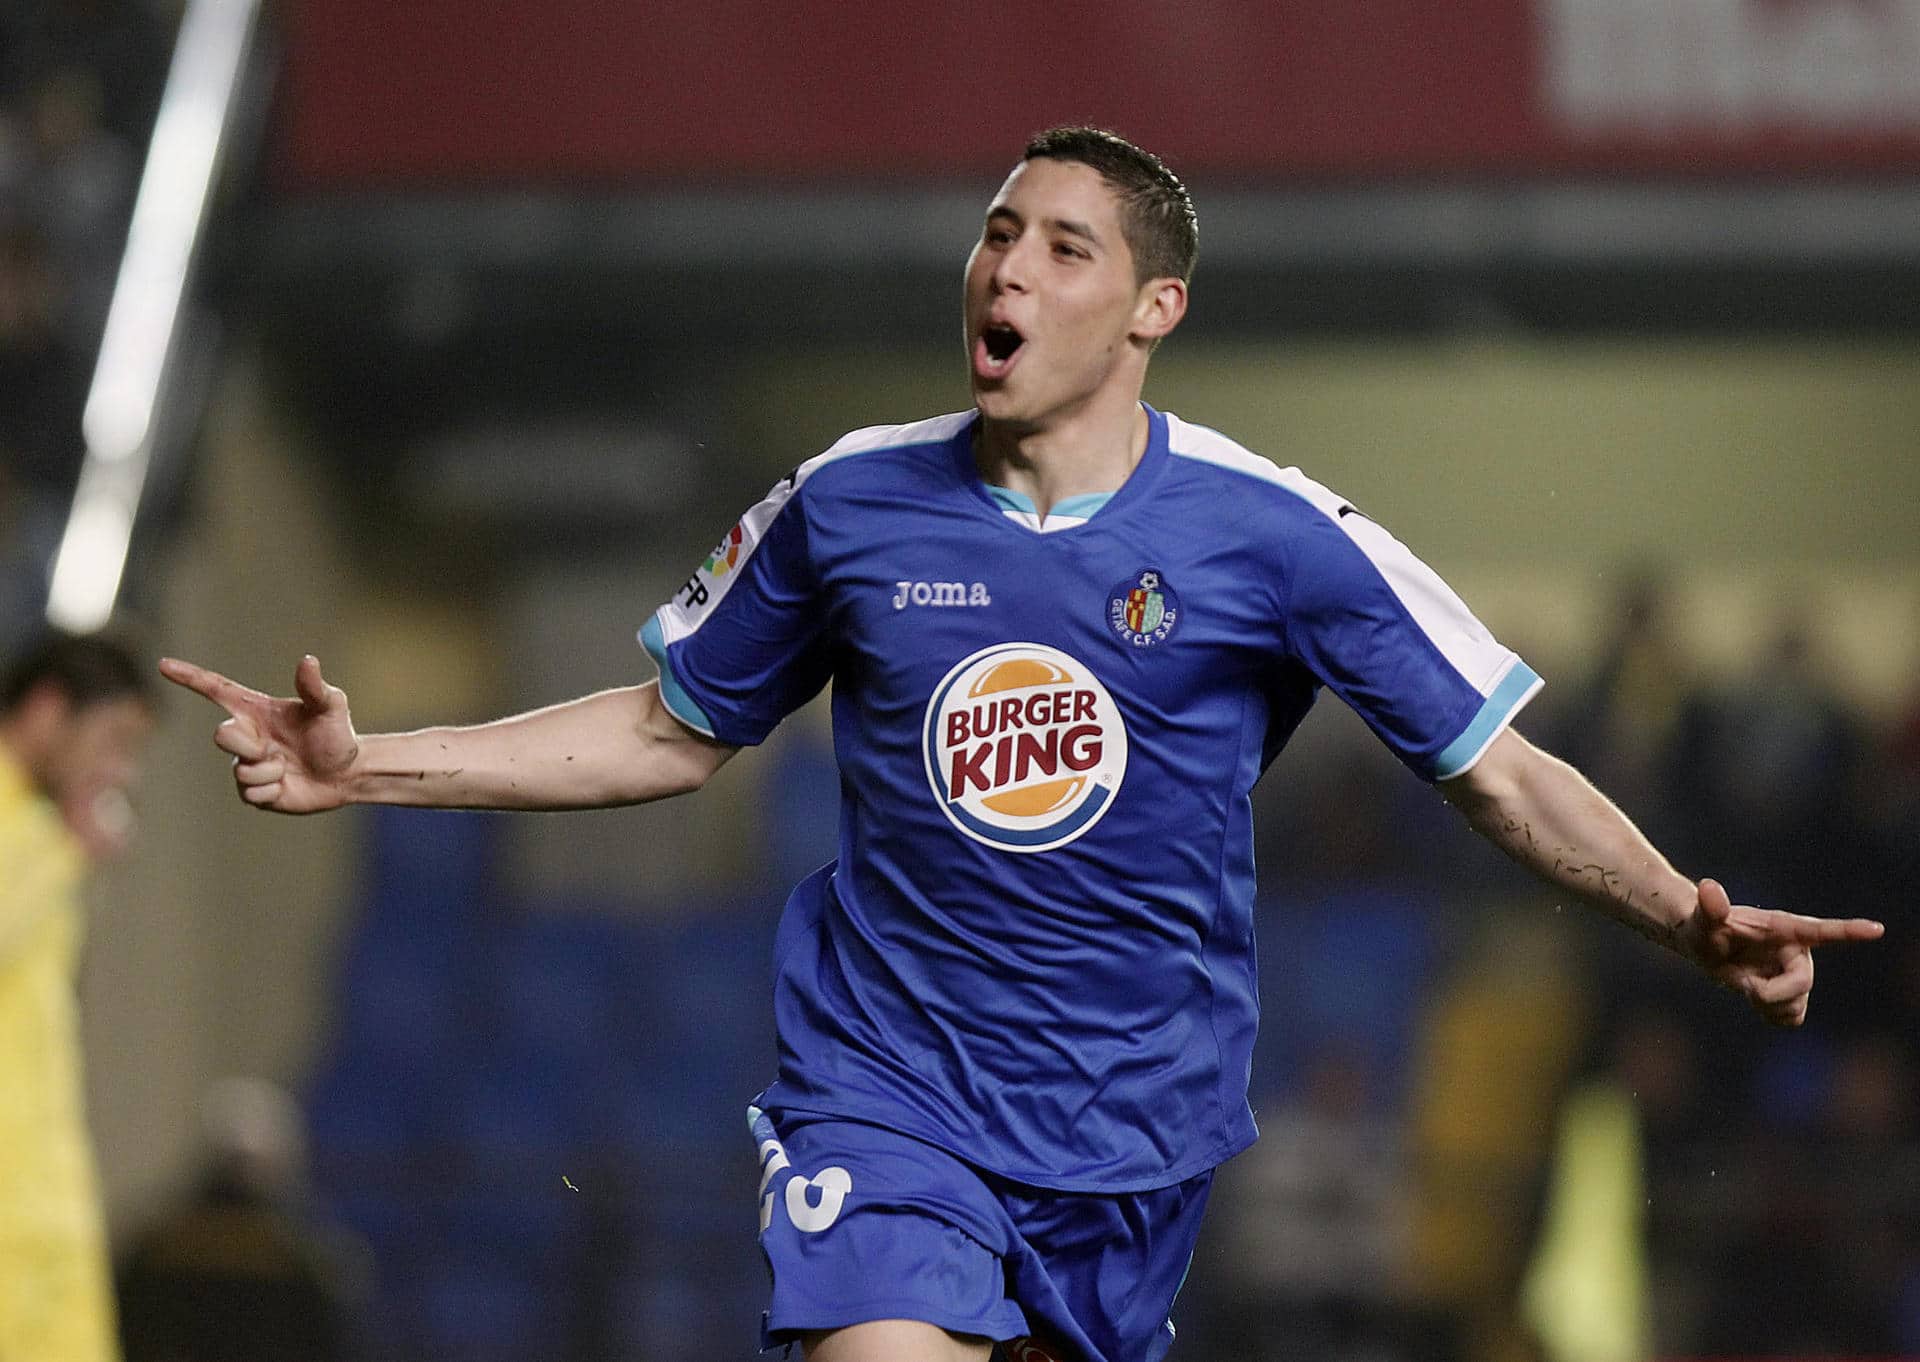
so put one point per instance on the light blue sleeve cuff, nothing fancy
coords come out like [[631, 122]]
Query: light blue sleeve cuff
[[1519, 685], [680, 704]]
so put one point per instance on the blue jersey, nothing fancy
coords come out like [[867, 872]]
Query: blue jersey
[[1035, 948]]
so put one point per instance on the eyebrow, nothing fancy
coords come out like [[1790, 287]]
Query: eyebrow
[[1071, 226]]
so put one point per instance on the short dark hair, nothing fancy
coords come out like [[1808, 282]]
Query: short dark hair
[[89, 669], [1156, 212]]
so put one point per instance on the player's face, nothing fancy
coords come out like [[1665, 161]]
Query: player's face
[[98, 749], [1052, 306]]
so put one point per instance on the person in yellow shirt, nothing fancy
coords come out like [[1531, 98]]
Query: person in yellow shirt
[[75, 714]]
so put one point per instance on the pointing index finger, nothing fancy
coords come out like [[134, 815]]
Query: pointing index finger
[[230, 695], [1856, 929], [1816, 931]]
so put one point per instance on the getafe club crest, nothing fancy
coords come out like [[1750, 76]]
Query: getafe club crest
[[1144, 610]]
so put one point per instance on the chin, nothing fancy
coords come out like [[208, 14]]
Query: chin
[[998, 405]]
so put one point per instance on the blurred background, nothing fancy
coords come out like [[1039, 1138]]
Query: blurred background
[[492, 317]]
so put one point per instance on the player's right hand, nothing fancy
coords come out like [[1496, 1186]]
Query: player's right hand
[[291, 754]]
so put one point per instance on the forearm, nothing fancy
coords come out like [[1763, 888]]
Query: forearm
[[613, 748], [1550, 819]]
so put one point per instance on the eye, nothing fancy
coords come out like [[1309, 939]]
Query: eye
[[1068, 251], [998, 236]]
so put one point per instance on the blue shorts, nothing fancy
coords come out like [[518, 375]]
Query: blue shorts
[[861, 1223]]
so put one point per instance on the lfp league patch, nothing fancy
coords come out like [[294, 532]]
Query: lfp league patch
[[1143, 610]]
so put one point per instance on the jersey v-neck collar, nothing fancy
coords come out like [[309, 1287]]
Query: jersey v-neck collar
[[1065, 515], [1017, 509]]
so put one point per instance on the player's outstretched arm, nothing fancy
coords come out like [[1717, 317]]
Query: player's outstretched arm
[[300, 753], [1545, 815]]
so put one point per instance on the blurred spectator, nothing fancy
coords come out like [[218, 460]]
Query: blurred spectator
[[1771, 769], [1866, 1161], [42, 386], [1502, 1040], [1903, 739], [1660, 1059], [1617, 1271], [1897, 807], [123, 43], [74, 716], [1314, 824], [1311, 1224], [1586, 1293], [27, 543], [79, 189], [1903, 742], [41, 374], [237, 1274], [1620, 725], [13, 157], [1692, 1181]]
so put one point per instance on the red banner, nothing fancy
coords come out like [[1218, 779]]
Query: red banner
[[482, 92]]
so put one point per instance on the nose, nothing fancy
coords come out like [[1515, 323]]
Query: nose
[[1010, 268]]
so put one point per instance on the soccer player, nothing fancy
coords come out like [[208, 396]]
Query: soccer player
[[75, 714], [1066, 633]]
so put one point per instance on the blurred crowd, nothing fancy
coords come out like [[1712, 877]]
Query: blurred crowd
[[79, 84], [1574, 1149]]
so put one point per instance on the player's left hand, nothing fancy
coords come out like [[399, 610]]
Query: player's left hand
[[1765, 955]]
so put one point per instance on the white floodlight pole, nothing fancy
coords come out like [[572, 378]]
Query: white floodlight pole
[[169, 213]]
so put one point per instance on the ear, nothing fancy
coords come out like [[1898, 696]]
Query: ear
[[1159, 308]]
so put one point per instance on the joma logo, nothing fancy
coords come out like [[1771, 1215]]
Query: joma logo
[[940, 593]]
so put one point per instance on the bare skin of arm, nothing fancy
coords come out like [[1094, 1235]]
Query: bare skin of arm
[[1546, 816], [300, 754]]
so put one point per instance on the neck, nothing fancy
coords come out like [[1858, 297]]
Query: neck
[[1089, 452]]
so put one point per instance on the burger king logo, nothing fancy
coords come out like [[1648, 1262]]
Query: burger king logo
[[1025, 749]]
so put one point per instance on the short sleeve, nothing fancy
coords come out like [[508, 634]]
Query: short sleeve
[[742, 642], [1383, 632]]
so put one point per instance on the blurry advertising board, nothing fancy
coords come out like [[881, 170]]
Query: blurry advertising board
[[483, 92]]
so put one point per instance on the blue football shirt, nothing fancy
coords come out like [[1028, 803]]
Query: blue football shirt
[[1035, 948]]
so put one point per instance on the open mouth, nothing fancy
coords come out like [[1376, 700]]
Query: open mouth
[[994, 353]]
